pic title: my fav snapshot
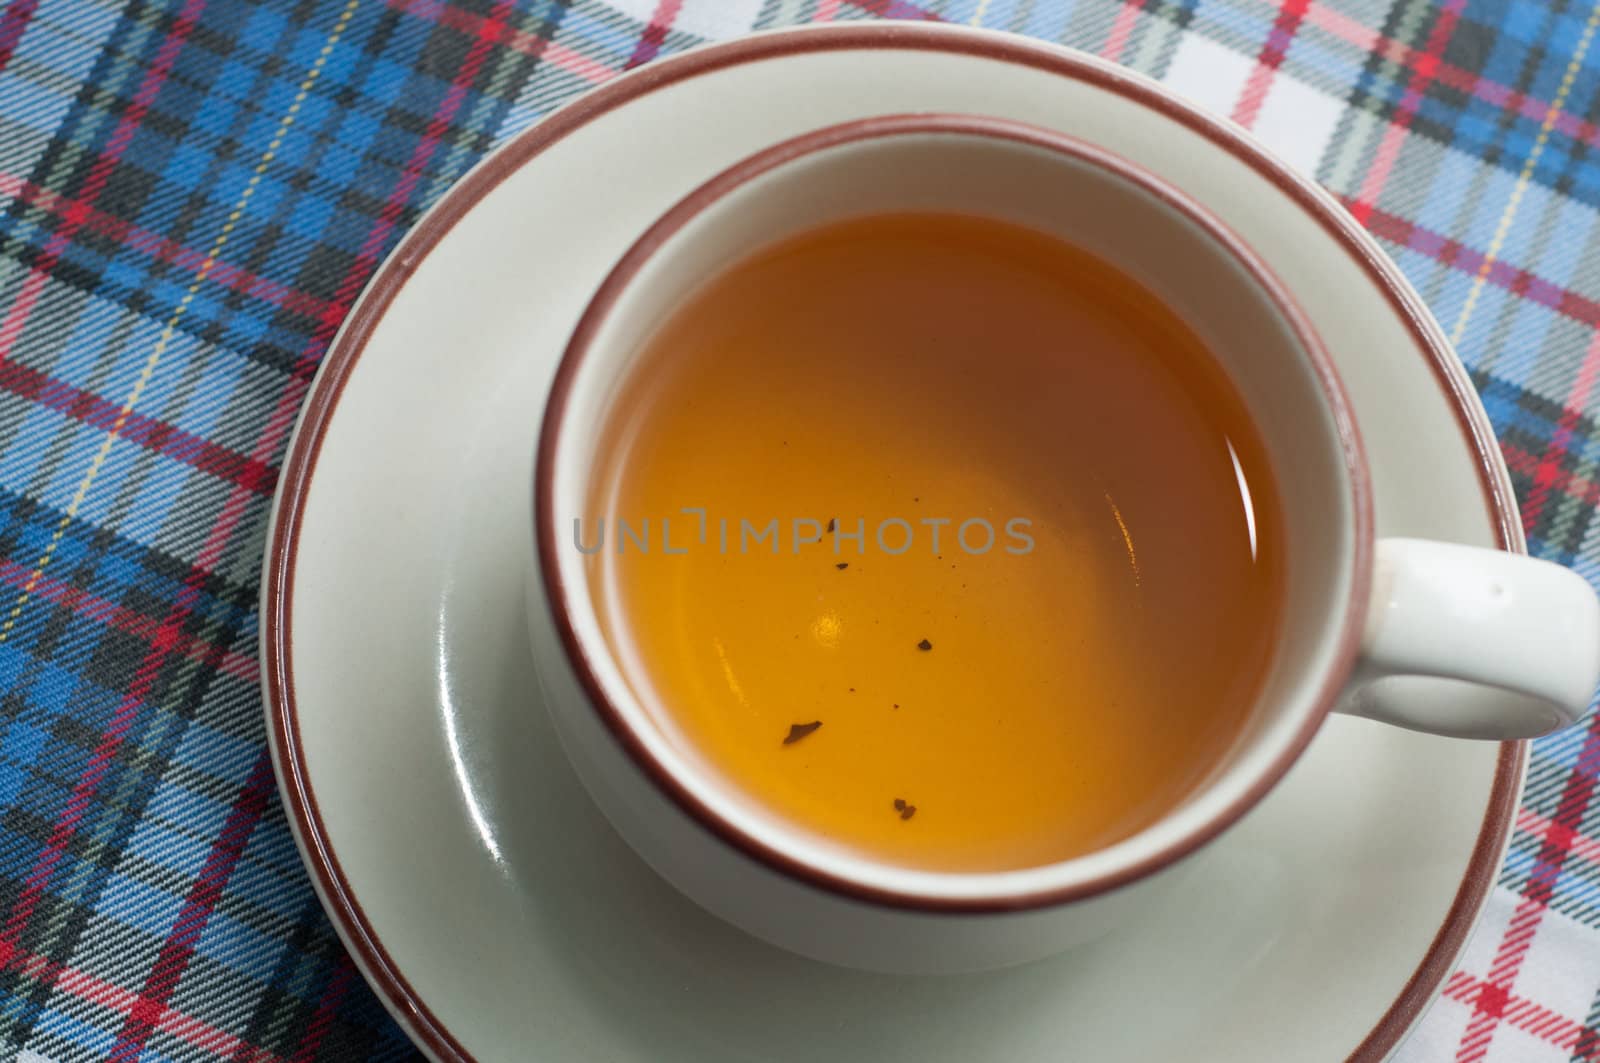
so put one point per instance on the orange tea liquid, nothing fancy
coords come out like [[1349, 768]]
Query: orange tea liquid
[[977, 709]]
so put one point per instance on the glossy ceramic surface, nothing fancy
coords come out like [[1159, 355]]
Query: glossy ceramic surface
[[481, 890]]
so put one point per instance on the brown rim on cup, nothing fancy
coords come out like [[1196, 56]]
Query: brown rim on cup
[[641, 253], [348, 347]]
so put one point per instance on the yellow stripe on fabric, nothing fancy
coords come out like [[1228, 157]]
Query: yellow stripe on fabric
[[1526, 176], [171, 328]]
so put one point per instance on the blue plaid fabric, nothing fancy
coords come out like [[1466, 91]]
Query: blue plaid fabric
[[192, 194]]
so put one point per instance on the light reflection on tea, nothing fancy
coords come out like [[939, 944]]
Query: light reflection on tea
[[937, 707]]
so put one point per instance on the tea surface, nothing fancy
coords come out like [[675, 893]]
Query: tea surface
[[977, 709]]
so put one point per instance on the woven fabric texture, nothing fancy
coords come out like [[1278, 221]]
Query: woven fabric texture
[[193, 193]]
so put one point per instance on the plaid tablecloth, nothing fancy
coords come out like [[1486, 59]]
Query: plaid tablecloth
[[193, 193]]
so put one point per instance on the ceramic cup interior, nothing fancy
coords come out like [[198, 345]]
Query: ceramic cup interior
[[1090, 199]]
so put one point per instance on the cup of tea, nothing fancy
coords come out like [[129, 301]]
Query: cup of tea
[[944, 527]]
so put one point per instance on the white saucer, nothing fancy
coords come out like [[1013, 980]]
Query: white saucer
[[482, 894]]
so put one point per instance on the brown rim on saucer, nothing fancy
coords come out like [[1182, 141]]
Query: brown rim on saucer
[[278, 577], [864, 130]]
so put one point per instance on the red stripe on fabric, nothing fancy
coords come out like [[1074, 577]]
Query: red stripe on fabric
[[272, 434], [66, 825], [1490, 1000], [131, 237], [1122, 29], [1490, 1003], [1465, 81], [655, 32], [1543, 828], [82, 985], [77, 802], [1424, 70], [98, 609], [1536, 1019], [1549, 472], [593, 70], [532, 44], [1458, 256], [1573, 485], [896, 9], [13, 24], [327, 1008], [1290, 14], [100, 173], [574, 62], [178, 950], [158, 436], [201, 901], [367, 258]]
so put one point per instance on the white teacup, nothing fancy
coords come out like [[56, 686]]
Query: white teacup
[[1438, 637]]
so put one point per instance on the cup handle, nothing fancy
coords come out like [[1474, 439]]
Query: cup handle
[[1475, 643]]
